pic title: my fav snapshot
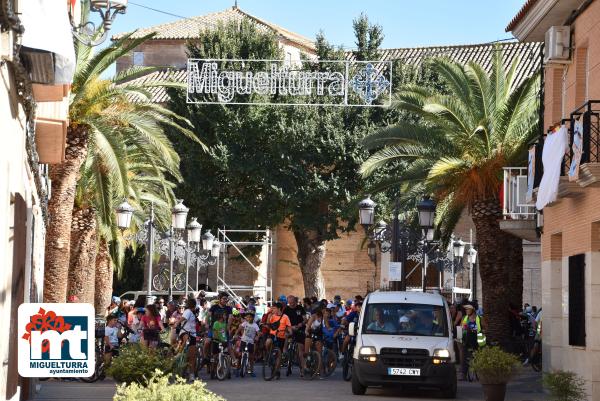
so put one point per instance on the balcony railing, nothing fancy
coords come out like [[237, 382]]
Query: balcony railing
[[515, 204]]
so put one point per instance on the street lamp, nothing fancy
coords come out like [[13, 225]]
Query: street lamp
[[472, 259], [91, 35], [207, 241], [426, 209], [124, 214], [366, 213], [194, 230], [179, 215], [458, 248]]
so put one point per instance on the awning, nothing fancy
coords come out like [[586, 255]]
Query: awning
[[47, 41]]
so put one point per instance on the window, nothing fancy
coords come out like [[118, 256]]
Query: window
[[138, 58], [405, 318], [577, 300]]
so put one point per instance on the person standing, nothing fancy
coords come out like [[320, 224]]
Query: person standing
[[473, 337], [297, 316], [188, 334]]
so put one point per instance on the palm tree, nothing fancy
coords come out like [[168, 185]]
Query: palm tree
[[467, 131], [107, 117]]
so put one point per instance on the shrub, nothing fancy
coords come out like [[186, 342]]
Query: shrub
[[136, 363], [493, 366], [158, 388], [565, 386]]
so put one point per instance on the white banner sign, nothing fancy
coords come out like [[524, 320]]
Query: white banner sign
[[395, 271], [321, 83]]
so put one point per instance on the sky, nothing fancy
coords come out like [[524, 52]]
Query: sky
[[405, 23]]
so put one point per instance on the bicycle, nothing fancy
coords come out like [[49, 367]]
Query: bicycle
[[471, 374], [221, 366], [270, 364], [328, 360], [161, 279], [244, 361], [313, 360], [99, 373], [290, 356], [348, 363]]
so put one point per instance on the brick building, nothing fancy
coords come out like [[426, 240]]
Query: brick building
[[571, 224], [347, 269]]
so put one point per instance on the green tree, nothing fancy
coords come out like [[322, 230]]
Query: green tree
[[109, 120], [456, 150], [275, 165]]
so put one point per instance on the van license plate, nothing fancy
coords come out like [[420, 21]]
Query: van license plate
[[404, 372]]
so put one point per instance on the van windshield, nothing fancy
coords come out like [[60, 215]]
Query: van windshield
[[406, 319]]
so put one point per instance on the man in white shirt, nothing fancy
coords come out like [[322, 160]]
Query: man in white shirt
[[188, 334]]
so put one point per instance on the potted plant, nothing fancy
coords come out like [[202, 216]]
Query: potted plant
[[494, 368], [565, 386]]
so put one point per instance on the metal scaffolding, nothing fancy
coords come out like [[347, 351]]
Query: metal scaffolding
[[263, 284]]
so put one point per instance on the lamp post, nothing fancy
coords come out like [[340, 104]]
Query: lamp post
[[178, 219], [90, 35], [124, 215], [472, 259], [426, 208], [458, 251]]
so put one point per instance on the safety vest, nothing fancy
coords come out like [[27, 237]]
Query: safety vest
[[481, 341]]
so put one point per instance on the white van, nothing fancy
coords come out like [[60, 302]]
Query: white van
[[404, 338]]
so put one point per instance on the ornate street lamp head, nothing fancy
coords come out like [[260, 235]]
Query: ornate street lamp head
[[179, 215], [458, 248], [366, 212], [194, 231], [216, 249], [472, 255], [207, 241], [124, 214], [91, 35], [426, 209], [372, 251]]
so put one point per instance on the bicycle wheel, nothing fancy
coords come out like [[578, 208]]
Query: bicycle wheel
[[270, 364], [291, 357], [179, 282], [159, 282], [347, 366], [313, 361], [98, 371], [221, 370], [244, 364], [329, 362]]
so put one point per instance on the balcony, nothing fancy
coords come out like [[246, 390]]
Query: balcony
[[519, 215]]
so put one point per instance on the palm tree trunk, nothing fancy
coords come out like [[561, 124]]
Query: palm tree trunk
[[515, 273], [60, 206], [311, 253], [495, 267], [83, 254], [104, 277]]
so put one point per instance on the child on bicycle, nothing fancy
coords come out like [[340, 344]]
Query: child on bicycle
[[219, 333], [248, 331], [111, 339]]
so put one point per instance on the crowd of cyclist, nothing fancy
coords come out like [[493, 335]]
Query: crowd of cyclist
[[202, 327], [199, 326]]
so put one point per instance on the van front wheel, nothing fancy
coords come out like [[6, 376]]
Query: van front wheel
[[450, 391], [357, 387]]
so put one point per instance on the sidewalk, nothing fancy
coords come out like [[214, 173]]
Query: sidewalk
[[525, 387]]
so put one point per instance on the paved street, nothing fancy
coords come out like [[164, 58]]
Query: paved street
[[525, 387]]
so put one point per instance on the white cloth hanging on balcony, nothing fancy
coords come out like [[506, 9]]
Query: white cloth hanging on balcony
[[555, 147]]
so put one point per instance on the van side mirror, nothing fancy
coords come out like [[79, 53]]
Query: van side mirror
[[352, 329]]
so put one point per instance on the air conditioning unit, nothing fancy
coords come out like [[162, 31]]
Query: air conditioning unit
[[557, 48]]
